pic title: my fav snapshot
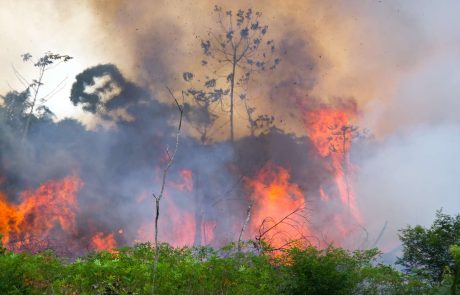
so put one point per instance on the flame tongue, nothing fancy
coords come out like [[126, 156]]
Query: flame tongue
[[323, 127], [50, 208], [100, 241], [278, 204], [331, 133], [185, 223]]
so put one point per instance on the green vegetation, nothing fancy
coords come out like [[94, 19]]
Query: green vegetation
[[428, 253], [204, 270]]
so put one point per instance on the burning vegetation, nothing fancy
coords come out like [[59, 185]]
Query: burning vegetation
[[46, 214], [201, 208], [277, 207], [229, 169], [259, 182]]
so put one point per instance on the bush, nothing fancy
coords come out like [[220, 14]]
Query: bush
[[204, 270], [28, 274]]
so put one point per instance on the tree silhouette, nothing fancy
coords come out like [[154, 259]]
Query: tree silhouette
[[35, 103], [232, 54]]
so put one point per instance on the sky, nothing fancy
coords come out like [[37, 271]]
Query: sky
[[376, 52]]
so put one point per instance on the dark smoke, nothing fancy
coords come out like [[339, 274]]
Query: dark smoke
[[119, 164]]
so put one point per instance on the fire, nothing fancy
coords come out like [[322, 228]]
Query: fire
[[181, 222], [101, 241], [178, 224], [177, 227], [181, 229], [50, 208], [278, 204], [186, 182], [331, 132], [322, 126]]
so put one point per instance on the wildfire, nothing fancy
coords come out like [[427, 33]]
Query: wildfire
[[181, 229], [101, 241], [276, 215], [278, 204], [180, 225], [331, 132], [50, 208], [323, 127]]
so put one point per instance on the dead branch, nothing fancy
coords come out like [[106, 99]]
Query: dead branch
[[261, 234], [269, 224], [380, 234], [245, 224], [159, 196]]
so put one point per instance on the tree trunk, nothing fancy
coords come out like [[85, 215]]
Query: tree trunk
[[160, 195], [232, 87], [245, 224], [157, 249], [198, 239], [32, 107]]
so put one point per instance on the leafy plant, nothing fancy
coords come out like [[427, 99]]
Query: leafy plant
[[426, 250]]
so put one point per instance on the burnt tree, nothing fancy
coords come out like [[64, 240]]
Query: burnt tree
[[232, 54]]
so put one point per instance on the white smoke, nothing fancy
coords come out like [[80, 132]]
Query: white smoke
[[413, 170], [409, 177]]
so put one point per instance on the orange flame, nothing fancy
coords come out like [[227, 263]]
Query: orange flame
[[322, 124], [101, 241], [277, 204], [179, 226], [181, 231], [331, 132], [52, 206]]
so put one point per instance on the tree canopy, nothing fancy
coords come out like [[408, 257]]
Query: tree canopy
[[426, 251]]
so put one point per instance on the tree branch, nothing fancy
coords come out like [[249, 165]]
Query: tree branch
[[245, 224], [163, 183]]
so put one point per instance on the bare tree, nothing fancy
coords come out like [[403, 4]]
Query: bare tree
[[36, 103], [232, 54], [245, 224], [159, 196]]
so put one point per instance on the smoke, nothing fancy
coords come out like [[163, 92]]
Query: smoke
[[407, 177], [413, 171], [114, 164], [427, 95], [121, 165], [396, 61]]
